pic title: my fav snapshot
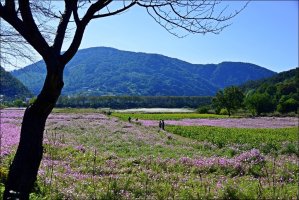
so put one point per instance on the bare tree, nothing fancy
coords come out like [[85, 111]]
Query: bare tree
[[14, 47], [29, 22]]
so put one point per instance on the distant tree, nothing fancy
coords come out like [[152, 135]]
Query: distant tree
[[259, 103], [19, 103], [287, 104], [29, 24], [32, 100], [263, 87], [230, 98], [203, 109], [271, 90], [287, 88]]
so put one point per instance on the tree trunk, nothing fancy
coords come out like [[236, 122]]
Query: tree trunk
[[24, 168], [229, 112]]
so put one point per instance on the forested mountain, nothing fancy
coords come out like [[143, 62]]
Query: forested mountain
[[108, 71], [232, 73], [12, 88], [280, 92], [287, 77]]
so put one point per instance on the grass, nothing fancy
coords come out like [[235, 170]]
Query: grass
[[80, 110], [166, 116], [267, 140], [108, 158]]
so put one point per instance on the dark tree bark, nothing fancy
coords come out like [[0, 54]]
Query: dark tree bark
[[24, 168]]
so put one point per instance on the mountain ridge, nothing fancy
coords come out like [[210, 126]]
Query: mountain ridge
[[109, 71], [286, 77], [11, 88]]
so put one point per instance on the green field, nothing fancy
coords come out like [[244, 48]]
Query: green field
[[166, 116], [282, 140], [80, 110]]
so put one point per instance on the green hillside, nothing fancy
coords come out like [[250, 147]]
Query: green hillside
[[233, 73], [12, 88], [287, 77], [108, 71], [281, 91]]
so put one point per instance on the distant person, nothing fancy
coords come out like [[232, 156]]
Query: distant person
[[162, 125], [136, 119], [129, 119]]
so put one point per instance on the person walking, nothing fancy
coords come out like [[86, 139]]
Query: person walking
[[160, 125]]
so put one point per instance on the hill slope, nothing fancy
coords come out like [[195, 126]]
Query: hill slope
[[290, 77], [108, 71], [233, 73], [10, 87], [281, 89]]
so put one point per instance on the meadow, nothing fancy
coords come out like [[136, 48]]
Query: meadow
[[165, 116], [92, 155]]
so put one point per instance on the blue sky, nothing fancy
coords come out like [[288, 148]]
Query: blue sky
[[265, 33]]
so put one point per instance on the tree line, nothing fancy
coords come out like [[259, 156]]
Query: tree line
[[125, 102], [267, 98]]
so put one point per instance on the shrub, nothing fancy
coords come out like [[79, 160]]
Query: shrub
[[233, 193], [290, 148], [3, 174], [32, 100], [223, 111], [203, 110], [288, 105], [19, 103], [259, 103]]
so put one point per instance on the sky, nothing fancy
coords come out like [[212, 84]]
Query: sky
[[264, 33]]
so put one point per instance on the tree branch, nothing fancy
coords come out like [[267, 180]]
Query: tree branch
[[68, 55], [93, 9], [10, 5], [81, 25], [75, 13], [61, 30], [198, 16], [30, 30], [117, 11]]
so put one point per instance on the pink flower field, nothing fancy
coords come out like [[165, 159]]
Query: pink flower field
[[10, 122], [97, 156], [258, 122]]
